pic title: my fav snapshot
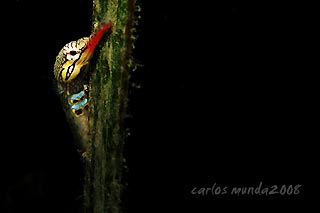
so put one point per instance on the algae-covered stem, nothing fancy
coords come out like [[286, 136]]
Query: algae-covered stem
[[103, 185]]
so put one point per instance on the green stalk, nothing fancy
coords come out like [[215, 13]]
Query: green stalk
[[103, 184]]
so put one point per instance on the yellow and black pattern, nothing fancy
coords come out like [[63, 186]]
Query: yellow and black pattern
[[70, 60], [71, 71]]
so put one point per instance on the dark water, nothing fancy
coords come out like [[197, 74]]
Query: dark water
[[225, 98]]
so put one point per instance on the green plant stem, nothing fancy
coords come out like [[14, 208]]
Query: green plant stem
[[103, 184]]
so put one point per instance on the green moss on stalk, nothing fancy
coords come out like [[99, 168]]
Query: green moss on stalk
[[103, 184]]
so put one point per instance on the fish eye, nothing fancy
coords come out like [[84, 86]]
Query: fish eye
[[73, 52]]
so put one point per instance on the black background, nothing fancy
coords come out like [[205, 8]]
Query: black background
[[226, 98]]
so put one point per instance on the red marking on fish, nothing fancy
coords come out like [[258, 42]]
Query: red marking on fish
[[96, 37]]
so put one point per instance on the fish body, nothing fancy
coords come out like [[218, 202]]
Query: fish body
[[72, 73]]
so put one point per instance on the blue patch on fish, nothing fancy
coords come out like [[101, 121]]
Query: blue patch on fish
[[78, 95], [80, 104]]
